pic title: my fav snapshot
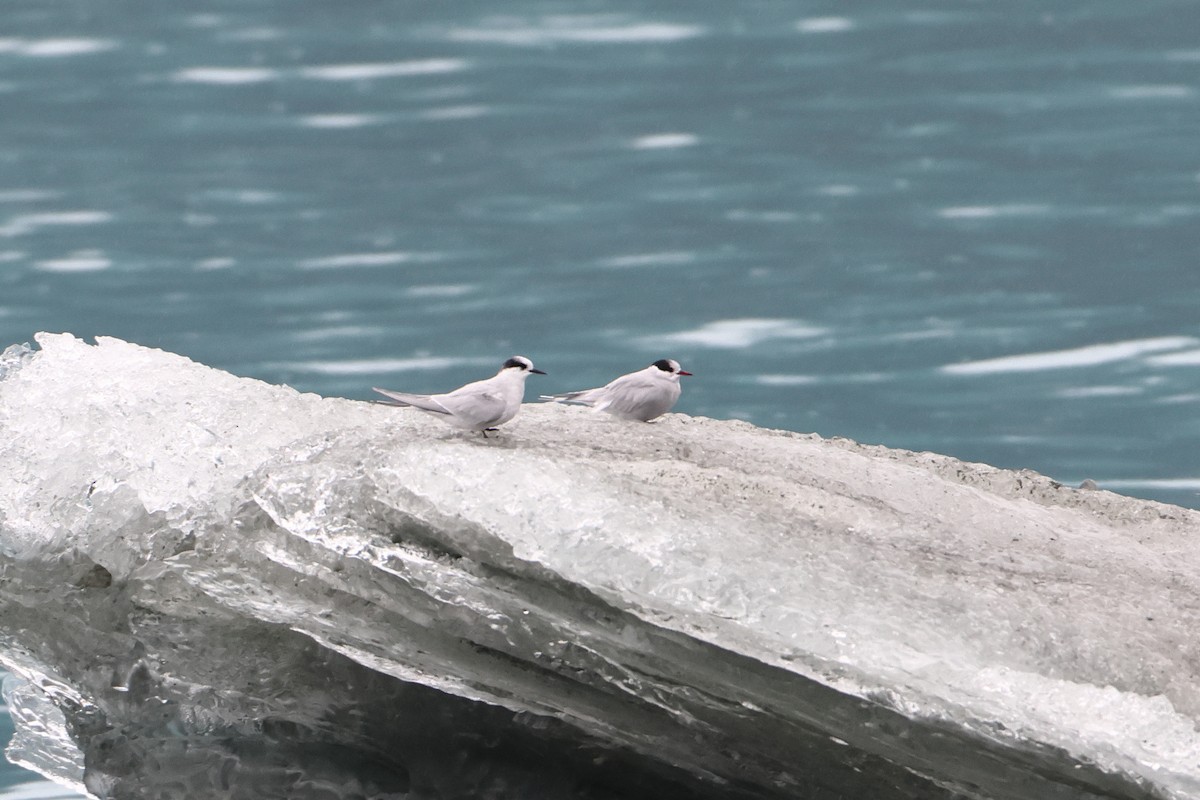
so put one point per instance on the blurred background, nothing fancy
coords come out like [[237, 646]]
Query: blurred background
[[965, 227]]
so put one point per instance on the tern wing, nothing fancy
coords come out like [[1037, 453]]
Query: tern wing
[[473, 406], [638, 396], [422, 401]]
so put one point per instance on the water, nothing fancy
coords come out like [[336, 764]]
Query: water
[[822, 212]]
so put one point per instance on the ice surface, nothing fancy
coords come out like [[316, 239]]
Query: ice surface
[[42, 738], [227, 588]]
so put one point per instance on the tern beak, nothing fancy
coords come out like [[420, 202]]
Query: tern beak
[[537, 372], [683, 372]]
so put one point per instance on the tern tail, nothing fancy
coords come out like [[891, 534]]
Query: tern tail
[[421, 401], [577, 398]]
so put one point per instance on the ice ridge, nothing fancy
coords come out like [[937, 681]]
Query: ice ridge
[[211, 587]]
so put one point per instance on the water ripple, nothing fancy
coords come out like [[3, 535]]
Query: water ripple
[[634, 260], [1187, 358], [81, 261], [56, 48], [663, 141], [378, 366], [396, 69], [1152, 92], [455, 112], [991, 212], [226, 76], [340, 121], [738, 333], [367, 260], [25, 195], [28, 223], [577, 30], [1088, 356], [825, 25], [238, 76], [441, 290]]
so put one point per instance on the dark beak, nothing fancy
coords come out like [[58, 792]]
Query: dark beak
[[537, 372], [683, 372]]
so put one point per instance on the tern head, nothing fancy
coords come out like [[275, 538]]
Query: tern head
[[670, 366], [522, 365]]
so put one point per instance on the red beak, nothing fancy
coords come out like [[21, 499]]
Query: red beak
[[682, 372]]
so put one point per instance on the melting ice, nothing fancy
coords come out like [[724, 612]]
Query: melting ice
[[214, 587]]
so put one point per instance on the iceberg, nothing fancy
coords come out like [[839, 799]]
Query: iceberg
[[215, 587]]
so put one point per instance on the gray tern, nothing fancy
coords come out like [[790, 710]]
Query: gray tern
[[642, 395], [478, 406]]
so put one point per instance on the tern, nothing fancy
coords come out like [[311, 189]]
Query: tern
[[642, 395], [478, 406]]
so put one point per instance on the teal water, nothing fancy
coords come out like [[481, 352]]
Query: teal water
[[946, 226]]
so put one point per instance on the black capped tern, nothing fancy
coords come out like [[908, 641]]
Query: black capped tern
[[478, 406], [642, 395]]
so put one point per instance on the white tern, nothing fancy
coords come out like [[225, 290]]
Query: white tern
[[478, 406], [641, 395]]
